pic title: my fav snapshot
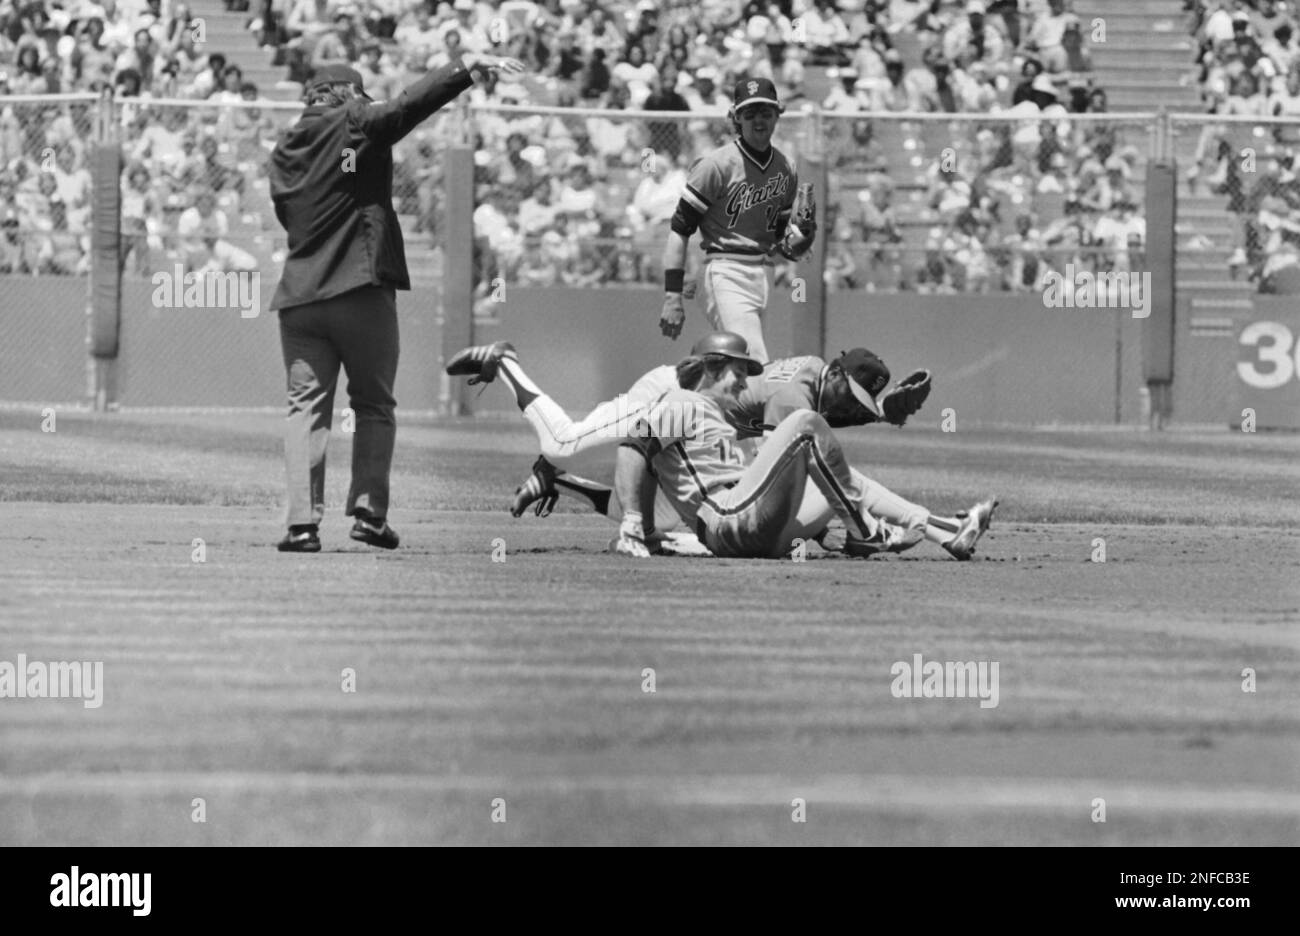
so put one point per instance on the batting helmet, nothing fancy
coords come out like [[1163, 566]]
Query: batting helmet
[[727, 344]]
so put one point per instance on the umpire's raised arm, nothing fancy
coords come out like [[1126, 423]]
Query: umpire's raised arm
[[389, 121]]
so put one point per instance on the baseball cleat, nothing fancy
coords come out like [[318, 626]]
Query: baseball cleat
[[480, 362], [374, 533], [539, 489], [975, 522], [306, 540], [886, 538]]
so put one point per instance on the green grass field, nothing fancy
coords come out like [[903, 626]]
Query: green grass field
[[522, 680]]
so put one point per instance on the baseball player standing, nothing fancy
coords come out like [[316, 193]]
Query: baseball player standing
[[332, 184], [740, 197]]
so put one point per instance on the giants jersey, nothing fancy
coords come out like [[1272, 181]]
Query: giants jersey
[[692, 450], [786, 385], [743, 204]]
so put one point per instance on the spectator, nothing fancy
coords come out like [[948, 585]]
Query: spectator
[[1077, 56], [141, 219], [931, 89], [29, 76], [973, 88], [1119, 234], [665, 135], [451, 51], [383, 83], [498, 246], [473, 32], [595, 77], [597, 34], [1029, 71], [973, 39], [1281, 48], [1286, 102], [12, 258], [637, 75], [208, 79], [232, 80], [420, 36], [127, 84], [537, 212], [90, 60], [140, 57], [203, 229], [341, 46], [73, 182], [1046, 35]]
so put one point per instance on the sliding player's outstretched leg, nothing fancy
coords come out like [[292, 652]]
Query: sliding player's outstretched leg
[[559, 436], [546, 482]]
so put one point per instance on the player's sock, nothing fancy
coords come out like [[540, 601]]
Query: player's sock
[[941, 529], [548, 419], [883, 502], [525, 390], [592, 493]]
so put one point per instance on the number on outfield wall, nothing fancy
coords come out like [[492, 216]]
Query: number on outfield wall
[[1273, 343]]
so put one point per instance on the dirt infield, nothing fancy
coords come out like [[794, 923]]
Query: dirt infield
[[523, 680]]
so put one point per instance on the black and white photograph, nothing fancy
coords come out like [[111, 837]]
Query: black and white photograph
[[651, 423]]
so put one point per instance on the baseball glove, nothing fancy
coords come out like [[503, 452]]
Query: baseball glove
[[905, 397], [802, 229]]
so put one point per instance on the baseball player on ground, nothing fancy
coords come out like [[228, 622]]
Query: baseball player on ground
[[781, 394], [740, 197], [835, 390]]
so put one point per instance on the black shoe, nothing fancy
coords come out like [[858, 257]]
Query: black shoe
[[480, 362], [374, 533], [305, 540]]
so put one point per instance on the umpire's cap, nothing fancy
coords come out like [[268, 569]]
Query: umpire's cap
[[336, 74], [755, 91], [727, 344], [867, 376]]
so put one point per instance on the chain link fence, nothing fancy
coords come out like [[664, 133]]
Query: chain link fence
[[1239, 199], [583, 198], [45, 184], [917, 202], [990, 203], [196, 190]]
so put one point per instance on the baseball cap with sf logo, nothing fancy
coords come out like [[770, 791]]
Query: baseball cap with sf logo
[[755, 91], [867, 376]]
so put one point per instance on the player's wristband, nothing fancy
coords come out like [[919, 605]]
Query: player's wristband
[[674, 280]]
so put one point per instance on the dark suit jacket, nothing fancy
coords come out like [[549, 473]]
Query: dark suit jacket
[[332, 185]]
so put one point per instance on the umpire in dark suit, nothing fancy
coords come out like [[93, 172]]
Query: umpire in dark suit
[[332, 184]]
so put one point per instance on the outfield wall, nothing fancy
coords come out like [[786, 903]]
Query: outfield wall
[[996, 358], [43, 353]]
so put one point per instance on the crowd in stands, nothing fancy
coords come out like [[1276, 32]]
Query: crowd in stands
[[1248, 61], [580, 199], [184, 169]]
